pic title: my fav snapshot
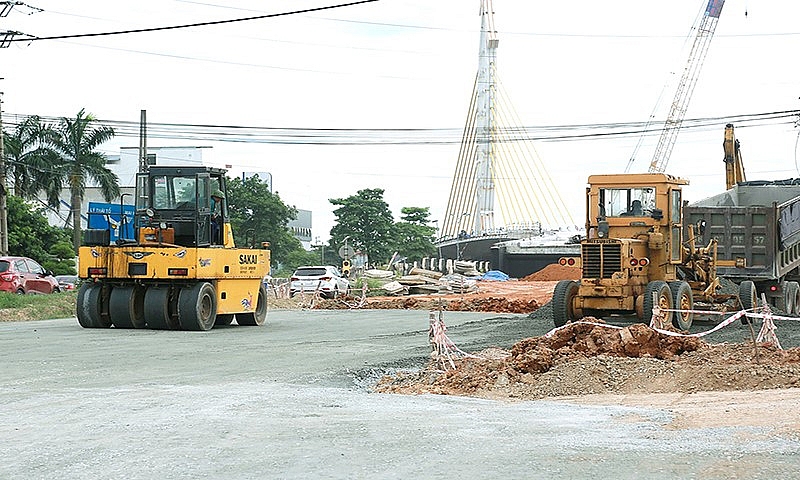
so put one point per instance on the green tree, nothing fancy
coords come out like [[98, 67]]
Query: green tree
[[254, 210], [30, 235], [72, 143], [27, 156], [367, 220], [412, 236]]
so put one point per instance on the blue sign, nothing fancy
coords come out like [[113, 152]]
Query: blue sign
[[105, 216]]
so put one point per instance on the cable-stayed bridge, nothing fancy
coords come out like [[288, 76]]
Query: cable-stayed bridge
[[501, 188]]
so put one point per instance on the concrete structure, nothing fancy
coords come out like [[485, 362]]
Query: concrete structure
[[301, 228]]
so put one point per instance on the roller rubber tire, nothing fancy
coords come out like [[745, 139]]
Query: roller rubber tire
[[197, 307], [157, 309], [682, 299], [90, 306], [223, 319], [126, 307], [259, 316]]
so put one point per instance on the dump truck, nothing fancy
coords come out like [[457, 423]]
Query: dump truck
[[756, 226], [635, 258], [182, 271]]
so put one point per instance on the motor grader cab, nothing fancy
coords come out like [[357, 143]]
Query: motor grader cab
[[634, 258], [182, 269]]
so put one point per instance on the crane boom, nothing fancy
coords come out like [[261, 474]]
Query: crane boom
[[691, 72], [734, 165]]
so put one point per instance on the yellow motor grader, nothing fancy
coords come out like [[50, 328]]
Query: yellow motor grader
[[182, 271], [639, 255]]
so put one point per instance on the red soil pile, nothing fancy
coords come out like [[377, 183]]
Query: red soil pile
[[553, 272]]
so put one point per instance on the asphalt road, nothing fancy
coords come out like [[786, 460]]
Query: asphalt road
[[292, 400]]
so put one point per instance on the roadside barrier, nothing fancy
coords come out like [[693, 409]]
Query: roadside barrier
[[767, 333], [443, 349]]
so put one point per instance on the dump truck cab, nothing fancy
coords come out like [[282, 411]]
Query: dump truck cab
[[633, 250]]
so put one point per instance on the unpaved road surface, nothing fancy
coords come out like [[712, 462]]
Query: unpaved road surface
[[293, 400]]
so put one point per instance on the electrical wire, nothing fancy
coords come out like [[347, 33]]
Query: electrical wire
[[191, 25], [411, 136]]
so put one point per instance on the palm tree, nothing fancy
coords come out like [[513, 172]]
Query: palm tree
[[72, 143], [27, 157]]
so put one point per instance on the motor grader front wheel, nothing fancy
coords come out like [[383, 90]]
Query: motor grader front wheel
[[564, 302]]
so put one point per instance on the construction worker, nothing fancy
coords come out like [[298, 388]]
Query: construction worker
[[217, 199]]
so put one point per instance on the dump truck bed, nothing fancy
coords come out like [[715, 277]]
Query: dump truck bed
[[758, 222]]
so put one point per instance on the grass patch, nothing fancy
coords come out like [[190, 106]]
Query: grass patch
[[14, 308]]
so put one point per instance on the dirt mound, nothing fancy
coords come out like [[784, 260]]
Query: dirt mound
[[552, 272], [586, 359], [537, 355]]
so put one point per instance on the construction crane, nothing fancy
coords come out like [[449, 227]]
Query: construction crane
[[734, 167], [705, 31]]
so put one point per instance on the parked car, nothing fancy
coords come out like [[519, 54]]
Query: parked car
[[24, 275], [67, 282], [326, 279]]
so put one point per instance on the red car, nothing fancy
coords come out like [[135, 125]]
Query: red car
[[23, 275]]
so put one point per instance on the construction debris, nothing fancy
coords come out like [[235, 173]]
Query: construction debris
[[585, 358]]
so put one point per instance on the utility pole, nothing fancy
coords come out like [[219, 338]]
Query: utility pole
[[143, 167], [3, 192]]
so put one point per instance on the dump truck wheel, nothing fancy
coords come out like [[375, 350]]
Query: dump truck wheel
[[197, 307], [158, 309], [790, 297], [563, 296], [795, 289], [126, 307], [663, 300], [259, 317], [682, 299], [748, 298], [90, 306], [223, 319]]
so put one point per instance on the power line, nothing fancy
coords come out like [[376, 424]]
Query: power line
[[414, 136], [200, 24]]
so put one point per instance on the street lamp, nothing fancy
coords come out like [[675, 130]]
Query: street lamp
[[321, 246], [438, 240]]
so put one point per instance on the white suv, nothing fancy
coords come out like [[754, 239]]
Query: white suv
[[325, 279]]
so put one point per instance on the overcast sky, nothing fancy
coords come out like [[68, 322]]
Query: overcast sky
[[410, 64]]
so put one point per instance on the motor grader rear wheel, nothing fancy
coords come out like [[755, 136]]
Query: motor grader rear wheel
[[663, 300], [90, 306], [259, 316], [682, 299], [197, 307]]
